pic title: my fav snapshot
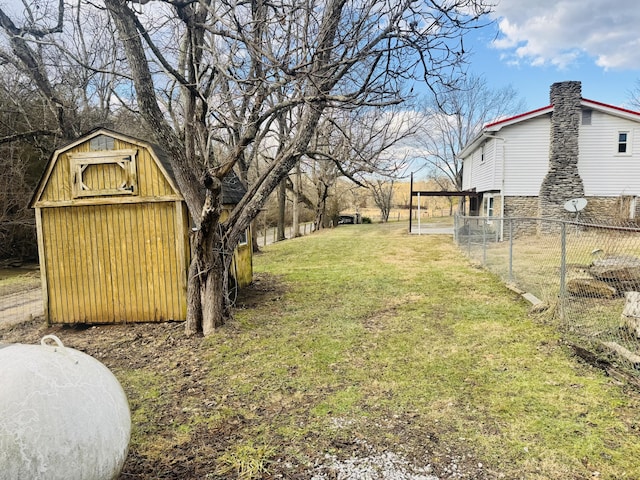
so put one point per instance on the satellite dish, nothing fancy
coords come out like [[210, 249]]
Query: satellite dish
[[575, 205]]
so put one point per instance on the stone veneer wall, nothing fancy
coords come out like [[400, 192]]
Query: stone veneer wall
[[609, 210], [605, 210], [522, 207], [562, 181]]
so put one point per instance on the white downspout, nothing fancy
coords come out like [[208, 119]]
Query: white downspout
[[502, 191], [419, 226], [503, 140]]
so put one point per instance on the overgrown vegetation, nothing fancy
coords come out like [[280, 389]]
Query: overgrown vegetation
[[365, 335]]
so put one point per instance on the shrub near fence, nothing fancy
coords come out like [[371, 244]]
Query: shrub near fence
[[586, 276]]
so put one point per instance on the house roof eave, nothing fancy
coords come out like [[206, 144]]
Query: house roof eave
[[499, 124], [472, 145], [611, 109], [490, 129]]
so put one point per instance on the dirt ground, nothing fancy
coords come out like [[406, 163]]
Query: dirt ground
[[17, 307], [136, 346], [123, 348]]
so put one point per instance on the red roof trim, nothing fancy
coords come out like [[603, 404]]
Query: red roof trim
[[620, 109], [538, 110], [510, 119]]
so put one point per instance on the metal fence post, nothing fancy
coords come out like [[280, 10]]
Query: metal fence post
[[484, 242], [455, 229], [563, 268], [469, 236], [510, 249]]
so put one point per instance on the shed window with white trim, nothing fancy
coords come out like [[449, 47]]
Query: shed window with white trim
[[103, 173], [244, 238]]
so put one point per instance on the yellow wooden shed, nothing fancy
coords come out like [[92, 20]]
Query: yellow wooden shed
[[113, 233]]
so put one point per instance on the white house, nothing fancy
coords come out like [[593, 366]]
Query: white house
[[529, 165]]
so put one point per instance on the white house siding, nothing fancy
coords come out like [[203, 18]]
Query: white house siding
[[526, 150], [525, 147], [604, 172], [477, 171], [467, 172]]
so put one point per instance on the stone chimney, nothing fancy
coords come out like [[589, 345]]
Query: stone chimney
[[562, 181]]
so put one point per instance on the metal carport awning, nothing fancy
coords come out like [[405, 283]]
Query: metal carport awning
[[436, 193]]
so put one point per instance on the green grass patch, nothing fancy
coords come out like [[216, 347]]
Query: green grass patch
[[247, 461], [375, 327], [364, 333]]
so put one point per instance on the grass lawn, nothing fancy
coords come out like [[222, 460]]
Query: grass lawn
[[377, 325], [366, 338]]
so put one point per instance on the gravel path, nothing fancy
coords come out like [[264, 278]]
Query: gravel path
[[372, 465]]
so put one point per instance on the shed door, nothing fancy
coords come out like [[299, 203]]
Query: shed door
[[114, 263]]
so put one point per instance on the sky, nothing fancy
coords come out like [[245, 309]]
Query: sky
[[534, 43]]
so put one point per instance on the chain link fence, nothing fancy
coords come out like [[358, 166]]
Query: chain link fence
[[582, 276]]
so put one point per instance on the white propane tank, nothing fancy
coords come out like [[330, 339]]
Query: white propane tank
[[63, 415]]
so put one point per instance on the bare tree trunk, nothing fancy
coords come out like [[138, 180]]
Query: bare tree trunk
[[282, 203], [321, 208], [214, 309], [254, 236], [207, 302], [193, 325], [32, 64], [296, 201]]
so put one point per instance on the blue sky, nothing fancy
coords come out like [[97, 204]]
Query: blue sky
[[533, 44]]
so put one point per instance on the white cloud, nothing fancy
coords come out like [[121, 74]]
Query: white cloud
[[561, 32]]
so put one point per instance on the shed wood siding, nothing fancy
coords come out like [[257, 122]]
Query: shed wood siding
[[243, 264], [604, 172], [110, 253], [113, 233], [242, 268], [115, 263]]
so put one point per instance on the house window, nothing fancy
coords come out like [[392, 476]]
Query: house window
[[488, 206], [482, 153], [623, 142], [103, 173], [586, 117]]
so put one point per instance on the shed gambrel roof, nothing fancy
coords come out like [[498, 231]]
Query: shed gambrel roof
[[232, 191]]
